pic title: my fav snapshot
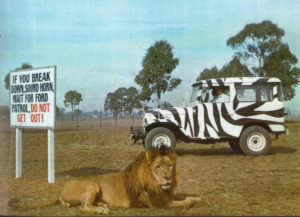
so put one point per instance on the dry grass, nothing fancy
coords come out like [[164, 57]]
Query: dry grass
[[229, 183]]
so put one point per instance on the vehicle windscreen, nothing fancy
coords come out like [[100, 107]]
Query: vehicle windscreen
[[195, 93]]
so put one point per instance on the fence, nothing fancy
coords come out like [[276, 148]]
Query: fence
[[94, 123]]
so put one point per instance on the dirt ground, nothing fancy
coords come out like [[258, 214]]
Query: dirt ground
[[228, 183]]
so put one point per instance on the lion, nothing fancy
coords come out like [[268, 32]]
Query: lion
[[149, 181]]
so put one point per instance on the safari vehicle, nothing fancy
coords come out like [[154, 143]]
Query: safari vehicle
[[241, 111]]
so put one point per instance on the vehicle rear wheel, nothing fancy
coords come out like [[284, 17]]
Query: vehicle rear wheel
[[255, 140], [160, 136]]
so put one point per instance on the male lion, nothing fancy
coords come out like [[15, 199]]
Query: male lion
[[148, 181]]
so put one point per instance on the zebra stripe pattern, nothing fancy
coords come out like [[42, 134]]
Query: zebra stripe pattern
[[219, 120]]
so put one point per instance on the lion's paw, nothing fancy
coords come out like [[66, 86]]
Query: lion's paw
[[102, 210], [101, 204], [64, 203], [193, 200]]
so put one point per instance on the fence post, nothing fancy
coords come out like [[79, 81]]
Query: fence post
[[100, 119], [77, 121], [133, 120]]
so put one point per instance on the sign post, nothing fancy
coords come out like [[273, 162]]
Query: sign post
[[51, 156], [18, 152], [33, 105]]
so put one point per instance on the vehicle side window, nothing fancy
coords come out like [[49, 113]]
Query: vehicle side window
[[246, 94], [215, 95], [254, 93]]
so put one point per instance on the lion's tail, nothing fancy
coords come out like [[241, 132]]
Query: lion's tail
[[15, 203]]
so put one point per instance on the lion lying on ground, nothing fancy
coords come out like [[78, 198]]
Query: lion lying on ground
[[149, 181]]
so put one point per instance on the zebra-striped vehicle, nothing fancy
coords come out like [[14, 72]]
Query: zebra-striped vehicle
[[242, 111]]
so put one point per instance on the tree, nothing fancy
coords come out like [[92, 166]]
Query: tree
[[6, 79], [77, 111], [131, 100], [280, 64], [123, 100], [232, 69], [208, 73], [260, 46], [255, 42], [72, 98], [235, 69], [155, 77], [107, 102], [117, 101]]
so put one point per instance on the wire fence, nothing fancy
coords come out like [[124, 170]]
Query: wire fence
[[103, 123], [94, 123], [83, 123]]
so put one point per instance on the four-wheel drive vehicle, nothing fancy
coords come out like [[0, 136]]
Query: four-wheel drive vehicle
[[242, 111]]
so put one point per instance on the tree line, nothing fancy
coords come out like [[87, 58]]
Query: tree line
[[121, 101], [259, 51]]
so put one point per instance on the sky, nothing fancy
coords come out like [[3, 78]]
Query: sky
[[98, 46]]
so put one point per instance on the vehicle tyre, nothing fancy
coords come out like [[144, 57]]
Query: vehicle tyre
[[255, 140], [235, 146], [159, 136]]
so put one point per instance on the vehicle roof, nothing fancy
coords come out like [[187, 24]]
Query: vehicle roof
[[248, 80]]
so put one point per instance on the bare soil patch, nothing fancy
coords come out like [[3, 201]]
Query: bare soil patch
[[229, 183]]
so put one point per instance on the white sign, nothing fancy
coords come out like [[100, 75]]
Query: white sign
[[32, 98]]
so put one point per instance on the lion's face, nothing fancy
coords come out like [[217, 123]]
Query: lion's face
[[163, 170]]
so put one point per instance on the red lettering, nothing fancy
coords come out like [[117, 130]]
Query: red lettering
[[33, 107], [44, 107], [21, 118], [37, 118]]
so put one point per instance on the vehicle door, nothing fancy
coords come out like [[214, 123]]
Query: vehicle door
[[208, 112]]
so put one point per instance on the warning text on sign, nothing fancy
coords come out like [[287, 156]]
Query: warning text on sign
[[32, 96]]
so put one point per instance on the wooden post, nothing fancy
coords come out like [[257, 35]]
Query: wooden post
[[51, 167], [18, 152], [77, 120], [100, 118]]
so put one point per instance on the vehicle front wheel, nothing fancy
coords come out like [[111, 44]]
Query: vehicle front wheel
[[160, 136], [255, 140]]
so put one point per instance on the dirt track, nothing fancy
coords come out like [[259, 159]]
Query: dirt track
[[228, 183]]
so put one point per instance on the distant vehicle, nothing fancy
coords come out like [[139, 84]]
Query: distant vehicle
[[241, 111]]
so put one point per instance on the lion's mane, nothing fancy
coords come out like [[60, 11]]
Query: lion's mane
[[140, 180]]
